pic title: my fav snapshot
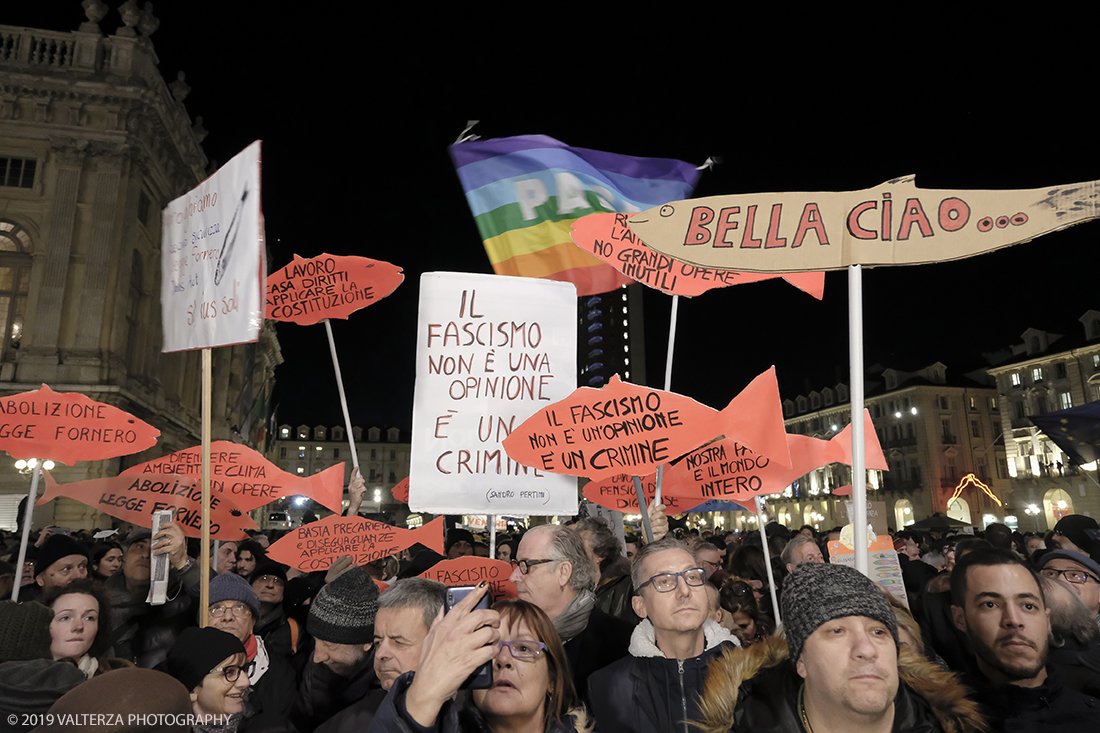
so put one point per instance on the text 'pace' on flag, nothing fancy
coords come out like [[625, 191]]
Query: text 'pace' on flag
[[525, 192]]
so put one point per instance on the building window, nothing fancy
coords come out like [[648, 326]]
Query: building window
[[974, 404], [975, 428], [15, 272], [282, 452], [1037, 374], [943, 403], [1066, 400], [393, 455], [144, 206], [335, 452], [285, 433], [17, 172], [993, 404], [373, 454], [1016, 379]]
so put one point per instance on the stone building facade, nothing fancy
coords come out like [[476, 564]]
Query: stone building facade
[[93, 144], [383, 459], [1047, 372]]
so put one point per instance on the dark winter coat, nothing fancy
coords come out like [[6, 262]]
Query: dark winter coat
[[605, 639], [648, 693], [756, 689], [1049, 707]]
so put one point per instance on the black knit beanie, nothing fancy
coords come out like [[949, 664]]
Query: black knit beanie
[[343, 612], [816, 593], [197, 651], [24, 631], [55, 548]]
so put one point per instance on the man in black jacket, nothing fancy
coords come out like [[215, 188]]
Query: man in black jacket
[[998, 601], [657, 687]]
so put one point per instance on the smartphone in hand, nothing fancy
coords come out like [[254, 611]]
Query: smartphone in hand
[[482, 677]]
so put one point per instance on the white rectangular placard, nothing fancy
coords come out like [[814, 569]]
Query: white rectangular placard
[[490, 352], [212, 270]]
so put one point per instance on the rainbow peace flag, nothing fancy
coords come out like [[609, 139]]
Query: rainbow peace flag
[[525, 193]]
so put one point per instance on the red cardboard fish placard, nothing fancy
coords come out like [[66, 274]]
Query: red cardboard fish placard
[[728, 470], [328, 286], [617, 492], [135, 498], [626, 428], [315, 545], [69, 427], [472, 570], [247, 478], [401, 491], [608, 237]]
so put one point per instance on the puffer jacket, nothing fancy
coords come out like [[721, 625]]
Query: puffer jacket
[[757, 689], [392, 717], [649, 693]]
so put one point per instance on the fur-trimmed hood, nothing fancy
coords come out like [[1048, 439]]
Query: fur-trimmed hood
[[937, 687], [643, 640]]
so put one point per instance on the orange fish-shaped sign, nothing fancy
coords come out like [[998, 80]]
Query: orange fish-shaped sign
[[135, 498], [315, 545], [618, 493], [608, 237], [626, 428], [69, 427], [472, 570], [728, 470], [247, 478], [328, 286], [401, 491]]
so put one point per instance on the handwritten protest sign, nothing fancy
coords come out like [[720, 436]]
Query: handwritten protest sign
[[315, 545], [884, 566], [328, 286], [608, 237], [401, 491], [247, 478], [490, 351], [69, 427], [727, 469], [876, 513], [135, 498], [212, 271], [617, 492], [894, 223], [625, 428], [471, 571]]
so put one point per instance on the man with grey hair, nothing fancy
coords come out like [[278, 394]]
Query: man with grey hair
[[553, 571], [800, 549], [657, 688], [406, 612]]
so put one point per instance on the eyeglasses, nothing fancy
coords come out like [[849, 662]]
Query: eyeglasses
[[270, 579], [521, 649], [221, 609], [666, 582], [233, 671], [715, 565], [526, 565], [1071, 576]]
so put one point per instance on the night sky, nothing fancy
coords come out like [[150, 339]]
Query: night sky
[[356, 109]]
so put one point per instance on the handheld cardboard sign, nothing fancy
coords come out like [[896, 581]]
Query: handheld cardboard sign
[[315, 545], [135, 498], [625, 428], [328, 286], [617, 492], [248, 478], [472, 570], [401, 491], [68, 427]]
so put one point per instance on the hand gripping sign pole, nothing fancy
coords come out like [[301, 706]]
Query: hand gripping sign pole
[[859, 473]]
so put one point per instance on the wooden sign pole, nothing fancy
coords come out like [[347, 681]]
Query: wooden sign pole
[[32, 496], [668, 378], [204, 541], [767, 556]]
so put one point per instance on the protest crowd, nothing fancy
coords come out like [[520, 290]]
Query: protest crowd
[[1001, 632]]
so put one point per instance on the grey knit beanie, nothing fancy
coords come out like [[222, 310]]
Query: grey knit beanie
[[343, 612], [816, 593]]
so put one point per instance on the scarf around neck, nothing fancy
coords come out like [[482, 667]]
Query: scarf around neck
[[574, 618]]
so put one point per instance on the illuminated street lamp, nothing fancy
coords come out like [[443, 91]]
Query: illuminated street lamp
[[1034, 512]]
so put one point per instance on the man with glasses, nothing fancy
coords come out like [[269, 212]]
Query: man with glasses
[[1080, 571], [235, 609], [553, 571], [709, 557], [657, 688]]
